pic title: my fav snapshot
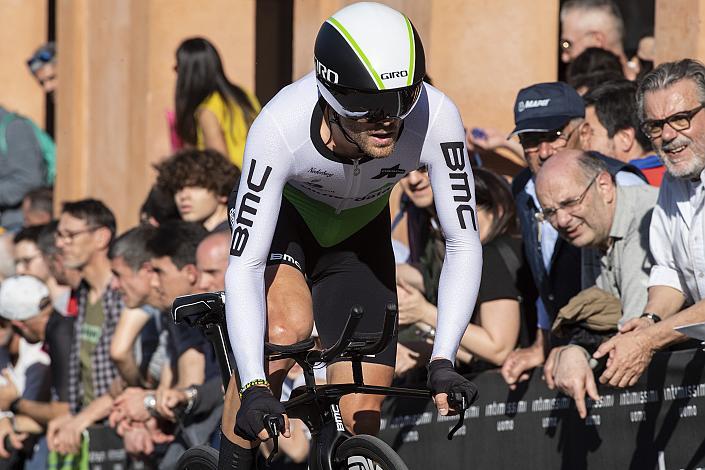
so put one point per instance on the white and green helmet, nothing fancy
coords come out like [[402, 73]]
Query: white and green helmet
[[369, 62]]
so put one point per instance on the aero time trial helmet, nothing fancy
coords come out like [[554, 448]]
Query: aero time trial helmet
[[369, 62]]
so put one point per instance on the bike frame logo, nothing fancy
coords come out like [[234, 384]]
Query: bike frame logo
[[248, 205], [358, 462], [335, 409]]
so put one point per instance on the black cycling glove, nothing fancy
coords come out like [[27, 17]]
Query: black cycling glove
[[257, 402], [442, 378]]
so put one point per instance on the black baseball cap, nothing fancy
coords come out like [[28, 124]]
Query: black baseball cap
[[546, 106]]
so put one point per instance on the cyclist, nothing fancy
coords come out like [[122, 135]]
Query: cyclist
[[333, 144]]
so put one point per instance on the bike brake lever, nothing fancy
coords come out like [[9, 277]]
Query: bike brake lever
[[273, 423], [457, 401]]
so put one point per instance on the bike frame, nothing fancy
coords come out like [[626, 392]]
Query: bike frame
[[318, 406]]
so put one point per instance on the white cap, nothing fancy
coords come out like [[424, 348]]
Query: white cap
[[21, 297]]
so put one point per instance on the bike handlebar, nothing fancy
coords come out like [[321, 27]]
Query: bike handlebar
[[346, 337]]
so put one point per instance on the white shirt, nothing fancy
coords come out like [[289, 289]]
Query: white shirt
[[677, 237]]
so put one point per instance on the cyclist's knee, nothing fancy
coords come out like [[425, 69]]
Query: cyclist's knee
[[361, 413]]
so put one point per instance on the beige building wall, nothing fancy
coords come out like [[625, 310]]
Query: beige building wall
[[679, 30], [118, 56], [24, 28]]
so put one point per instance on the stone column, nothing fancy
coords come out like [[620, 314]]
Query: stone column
[[679, 30]]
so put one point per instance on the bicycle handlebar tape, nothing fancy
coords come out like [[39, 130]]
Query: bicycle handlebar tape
[[442, 378], [257, 402]]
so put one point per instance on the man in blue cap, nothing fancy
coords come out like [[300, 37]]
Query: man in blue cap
[[547, 118]]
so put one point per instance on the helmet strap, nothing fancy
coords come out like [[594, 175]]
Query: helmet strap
[[334, 118]]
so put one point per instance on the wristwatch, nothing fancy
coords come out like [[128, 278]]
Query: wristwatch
[[191, 395], [150, 403], [651, 316]]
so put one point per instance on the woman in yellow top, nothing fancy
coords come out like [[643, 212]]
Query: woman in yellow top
[[211, 112]]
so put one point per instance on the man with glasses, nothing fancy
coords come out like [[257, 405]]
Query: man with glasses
[[610, 225], [86, 229], [547, 118], [670, 100], [593, 23], [42, 64]]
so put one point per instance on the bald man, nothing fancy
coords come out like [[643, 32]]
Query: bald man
[[212, 260], [610, 224]]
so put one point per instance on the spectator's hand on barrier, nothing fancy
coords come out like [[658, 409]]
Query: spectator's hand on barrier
[[629, 355], [54, 428], [15, 438], [138, 442], [442, 380], [167, 400], [129, 406], [574, 377], [519, 361], [407, 359], [68, 439], [549, 367], [635, 324], [8, 392], [158, 435], [413, 306]]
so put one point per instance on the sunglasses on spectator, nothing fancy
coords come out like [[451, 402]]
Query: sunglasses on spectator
[[39, 59], [569, 205], [566, 44], [653, 128], [530, 141]]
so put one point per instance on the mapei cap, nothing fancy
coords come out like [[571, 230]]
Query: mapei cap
[[546, 106]]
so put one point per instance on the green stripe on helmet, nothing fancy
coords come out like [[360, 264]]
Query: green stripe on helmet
[[412, 52], [336, 24]]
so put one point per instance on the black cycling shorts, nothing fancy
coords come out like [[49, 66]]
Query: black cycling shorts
[[357, 271]]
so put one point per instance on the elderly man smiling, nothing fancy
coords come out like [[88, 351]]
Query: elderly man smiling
[[610, 224], [671, 99]]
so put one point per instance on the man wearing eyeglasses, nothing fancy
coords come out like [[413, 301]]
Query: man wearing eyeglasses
[[85, 231], [547, 118], [610, 225], [670, 100]]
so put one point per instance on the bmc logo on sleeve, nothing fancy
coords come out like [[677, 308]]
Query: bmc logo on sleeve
[[248, 205], [454, 155]]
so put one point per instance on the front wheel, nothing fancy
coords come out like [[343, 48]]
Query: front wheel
[[199, 458], [364, 452]]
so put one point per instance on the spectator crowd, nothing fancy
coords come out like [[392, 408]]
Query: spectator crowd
[[593, 253]]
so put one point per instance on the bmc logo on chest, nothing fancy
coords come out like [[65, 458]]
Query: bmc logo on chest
[[388, 75], [248, 205]]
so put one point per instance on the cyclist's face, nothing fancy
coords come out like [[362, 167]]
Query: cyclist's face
[[196, 204], [376, 139]]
